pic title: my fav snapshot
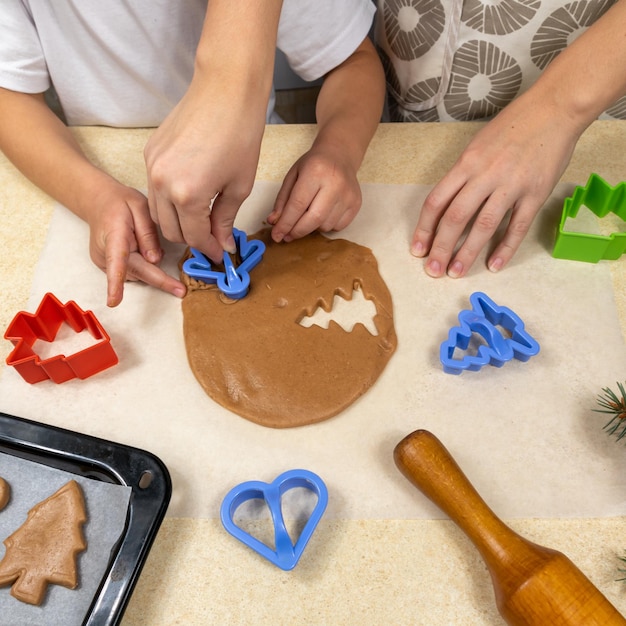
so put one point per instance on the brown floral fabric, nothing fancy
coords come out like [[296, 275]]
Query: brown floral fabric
[[459, 60]]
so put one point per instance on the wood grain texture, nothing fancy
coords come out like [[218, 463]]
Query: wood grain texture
[[533, 585]]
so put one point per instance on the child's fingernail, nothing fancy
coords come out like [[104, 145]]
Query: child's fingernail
[[496, 265], [153, 256], [180, 292], [456, 269], [418, 249]]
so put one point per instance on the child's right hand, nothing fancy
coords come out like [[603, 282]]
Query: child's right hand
[[123, 239], [124, 242]]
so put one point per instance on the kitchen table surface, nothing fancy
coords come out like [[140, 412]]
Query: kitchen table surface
[[382, 571]]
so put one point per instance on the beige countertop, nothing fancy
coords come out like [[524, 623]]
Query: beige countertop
[[380, 572]]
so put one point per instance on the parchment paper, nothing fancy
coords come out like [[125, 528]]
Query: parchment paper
[[525, 434], [106, 505]]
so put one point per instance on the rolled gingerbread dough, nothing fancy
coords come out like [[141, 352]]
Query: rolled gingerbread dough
[[253, 357]]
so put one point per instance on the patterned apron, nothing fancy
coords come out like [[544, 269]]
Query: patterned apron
[[459, 60]]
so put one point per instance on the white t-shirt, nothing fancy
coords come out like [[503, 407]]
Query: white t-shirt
[[126, 63]]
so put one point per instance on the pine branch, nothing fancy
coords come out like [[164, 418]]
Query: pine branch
[[614, 405], [621, 570]]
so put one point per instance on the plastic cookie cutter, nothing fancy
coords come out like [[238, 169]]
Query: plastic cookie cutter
[[286, 555], [601, 199], [27, 328], [486, 319], [232, 281]]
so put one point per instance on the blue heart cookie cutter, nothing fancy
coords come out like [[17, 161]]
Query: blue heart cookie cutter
[[286, 555], [484, 319], [232, 281]]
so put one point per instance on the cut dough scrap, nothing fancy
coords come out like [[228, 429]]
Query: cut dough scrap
[[253, 357]]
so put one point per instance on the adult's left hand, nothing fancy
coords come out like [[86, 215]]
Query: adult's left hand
[[512, 164]]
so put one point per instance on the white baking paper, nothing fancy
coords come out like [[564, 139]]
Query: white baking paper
[[526, 434]]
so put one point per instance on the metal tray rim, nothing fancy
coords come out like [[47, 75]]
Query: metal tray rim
[[142, 471]]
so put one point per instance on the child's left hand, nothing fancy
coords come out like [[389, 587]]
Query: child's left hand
[[320, 191]]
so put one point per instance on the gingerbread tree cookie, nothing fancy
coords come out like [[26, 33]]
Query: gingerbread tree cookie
[[5, 493], [44, 549]]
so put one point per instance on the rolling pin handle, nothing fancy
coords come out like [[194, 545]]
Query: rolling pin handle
[[533, 585]]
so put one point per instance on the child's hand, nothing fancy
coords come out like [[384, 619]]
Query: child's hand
[[320, 191], [124, 242]]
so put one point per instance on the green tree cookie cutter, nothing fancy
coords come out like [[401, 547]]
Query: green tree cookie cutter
[[600, 198]]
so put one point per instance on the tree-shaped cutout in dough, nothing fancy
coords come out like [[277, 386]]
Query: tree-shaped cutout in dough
[[483, 81], [498, 18], [563, 26], [5, 493], [44, 548], [413, 26]]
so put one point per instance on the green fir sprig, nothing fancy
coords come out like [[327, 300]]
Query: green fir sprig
[[615, 406], [621, 570]]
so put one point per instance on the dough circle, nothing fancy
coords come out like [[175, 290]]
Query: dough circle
[[254, 358]]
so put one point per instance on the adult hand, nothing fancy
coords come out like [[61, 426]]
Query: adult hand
[[124, 242], [320, 191], [201, 164], [202, 160], [513, 163]]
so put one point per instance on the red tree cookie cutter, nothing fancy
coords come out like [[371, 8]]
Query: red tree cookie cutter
[[27, 328]]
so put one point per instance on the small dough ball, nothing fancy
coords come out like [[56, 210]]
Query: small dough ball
[[5, 493]]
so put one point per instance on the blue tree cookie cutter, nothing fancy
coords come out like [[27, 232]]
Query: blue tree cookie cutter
[[600, 198], [484, 319], [232, 281], [286, 555]]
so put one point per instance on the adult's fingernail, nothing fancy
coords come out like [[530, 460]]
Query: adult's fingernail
[[230, 246], [455, 270], [418, 249], [496, 265], [433, 268]]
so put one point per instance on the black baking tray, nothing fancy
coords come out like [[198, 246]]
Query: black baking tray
[[88, 456]]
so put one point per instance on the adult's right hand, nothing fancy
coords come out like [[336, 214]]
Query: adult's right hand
[[201, 164], [202, 160]]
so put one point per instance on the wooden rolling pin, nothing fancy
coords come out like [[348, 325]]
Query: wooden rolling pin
[[533, 585]]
